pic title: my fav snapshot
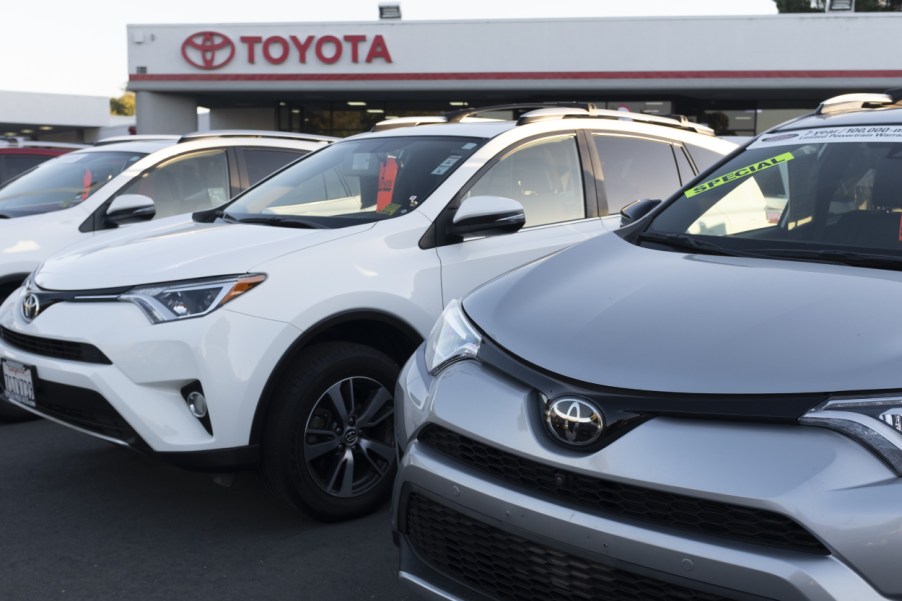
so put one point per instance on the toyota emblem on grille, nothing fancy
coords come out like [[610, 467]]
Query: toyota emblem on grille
[[31, 307], [573, 421]]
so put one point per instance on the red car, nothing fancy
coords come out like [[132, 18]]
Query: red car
[[18, 156]]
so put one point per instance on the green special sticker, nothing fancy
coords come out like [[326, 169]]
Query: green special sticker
[[739, 174]]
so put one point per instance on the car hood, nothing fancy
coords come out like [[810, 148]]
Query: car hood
[[176, 249], [610, 313]]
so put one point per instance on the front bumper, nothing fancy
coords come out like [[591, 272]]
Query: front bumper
[[136, 397], [487, 523]]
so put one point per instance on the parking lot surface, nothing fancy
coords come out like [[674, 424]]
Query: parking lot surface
[[86, 520]]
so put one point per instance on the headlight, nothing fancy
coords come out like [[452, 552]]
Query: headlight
[[184, 300], [874, 421], [452, 338]]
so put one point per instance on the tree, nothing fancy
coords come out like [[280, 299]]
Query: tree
[[123, 105]]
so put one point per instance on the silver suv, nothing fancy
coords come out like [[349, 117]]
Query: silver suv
[[705, 406]]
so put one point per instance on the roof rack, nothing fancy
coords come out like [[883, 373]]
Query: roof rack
[[860, 101], [250, 133], [547, 111], [136, 138]]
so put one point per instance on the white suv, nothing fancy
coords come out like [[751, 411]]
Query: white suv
[[270, 332], [129, 179]]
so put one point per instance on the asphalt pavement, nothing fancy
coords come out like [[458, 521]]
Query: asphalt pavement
[[83, 519]]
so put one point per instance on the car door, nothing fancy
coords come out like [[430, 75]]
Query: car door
[[552, 178]]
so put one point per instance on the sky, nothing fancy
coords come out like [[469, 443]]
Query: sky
[[79, 47]]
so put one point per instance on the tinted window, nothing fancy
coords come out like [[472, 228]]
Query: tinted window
[[63, 182], [260, 162], [186, 183], [814, 194], [545, 177], [14, 165], [351, 181], [702, 157], [635, 168]]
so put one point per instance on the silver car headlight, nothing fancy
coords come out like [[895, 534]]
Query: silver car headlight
[[183, 300], [874, 421], [453, 338]]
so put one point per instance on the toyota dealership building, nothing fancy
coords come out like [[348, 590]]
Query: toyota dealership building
[[741, 74]]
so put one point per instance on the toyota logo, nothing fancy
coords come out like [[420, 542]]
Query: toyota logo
[[574, 422], [31, 306], [208, 50]]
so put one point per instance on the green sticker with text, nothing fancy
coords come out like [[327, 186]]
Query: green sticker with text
[[739, 174]]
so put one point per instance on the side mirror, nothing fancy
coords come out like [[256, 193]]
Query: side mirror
[[488, 216], [130, 208], [637, 210]]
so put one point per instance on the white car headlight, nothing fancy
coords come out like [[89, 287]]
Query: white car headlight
[[183, 300], [453, 338], [874, 421]]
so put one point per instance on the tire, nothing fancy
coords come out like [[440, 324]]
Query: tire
[[328, 445]]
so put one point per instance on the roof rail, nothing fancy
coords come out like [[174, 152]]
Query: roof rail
[[397, 122], [251, 133], [461, 114], [859, 101], [136, 138], [546, 111]]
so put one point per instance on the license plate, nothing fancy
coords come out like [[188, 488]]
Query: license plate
[[18, 382]]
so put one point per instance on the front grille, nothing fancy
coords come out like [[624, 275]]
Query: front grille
[[505, 566], [58, 349], [84, 409], [610, 498]]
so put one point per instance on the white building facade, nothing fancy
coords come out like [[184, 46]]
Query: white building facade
[[741, 74]]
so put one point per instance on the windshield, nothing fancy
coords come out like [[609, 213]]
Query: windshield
[[818, 191], [62, 182], [355, 181]]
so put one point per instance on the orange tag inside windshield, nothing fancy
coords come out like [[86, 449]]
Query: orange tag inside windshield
[[388, 173]]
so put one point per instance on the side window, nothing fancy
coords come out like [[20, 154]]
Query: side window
[[186, 183], [703, 157], [260, 162], [16, 165], [544, 176], [635, 168]]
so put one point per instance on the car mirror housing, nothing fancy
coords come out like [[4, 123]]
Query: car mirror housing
[[130, 208], [637, 210], [488, 216]]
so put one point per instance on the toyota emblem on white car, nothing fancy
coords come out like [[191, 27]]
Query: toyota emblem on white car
[[31, 307]]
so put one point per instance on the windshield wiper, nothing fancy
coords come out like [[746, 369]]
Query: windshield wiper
[[843, 257], [686, 242], [276, 220]]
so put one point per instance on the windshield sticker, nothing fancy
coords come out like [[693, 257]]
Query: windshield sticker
[[389, 209], [446, 164], [360, 162], [878, 133], [469, 146], [739, 174]]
